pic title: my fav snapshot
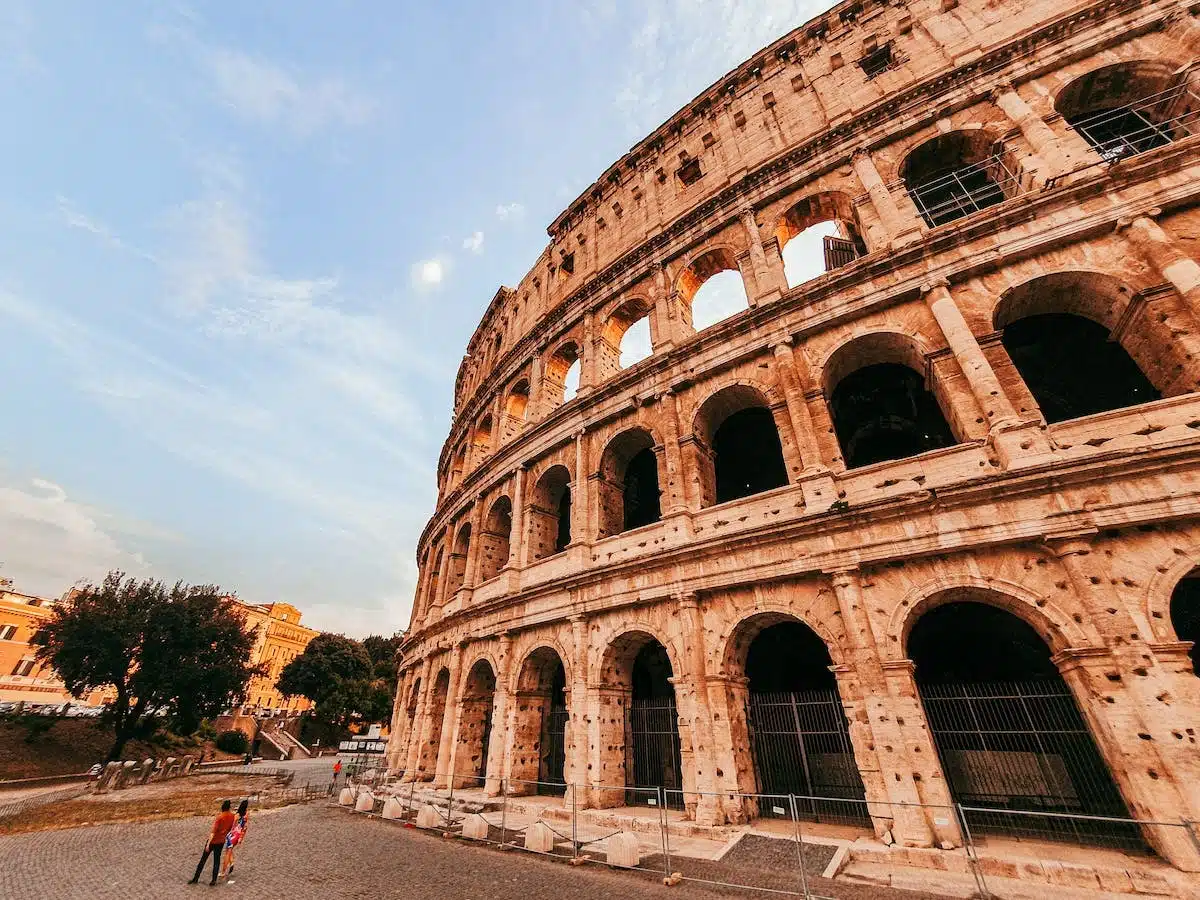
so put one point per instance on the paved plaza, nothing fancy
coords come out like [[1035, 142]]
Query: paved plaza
[[309, 852]]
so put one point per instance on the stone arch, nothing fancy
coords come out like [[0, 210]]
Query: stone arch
[[1161, 588], [427, 757], [481, 436], [880, 400], [540, 722], [628, 481], [516, 408], [722, 298], [1128, 107], [627, 319], [457, 573], [957, 173], [474, 732], [737, 436], [561, 369], [735, 642], [1081, 308], [550, 513], [458, 465], [843, 243], [495, 538]]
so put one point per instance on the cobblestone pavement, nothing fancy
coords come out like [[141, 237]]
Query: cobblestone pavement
[[309, 852]]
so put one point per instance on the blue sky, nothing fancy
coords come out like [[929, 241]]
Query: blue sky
[[242, 248]]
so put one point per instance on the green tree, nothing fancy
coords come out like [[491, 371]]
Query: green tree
[[181, 651], [345, 678], [383, 657]]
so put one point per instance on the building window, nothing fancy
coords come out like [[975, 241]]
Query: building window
[[7, 632], [24, 667]]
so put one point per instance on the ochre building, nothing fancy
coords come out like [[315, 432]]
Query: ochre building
[[912, 527], [280, 638]]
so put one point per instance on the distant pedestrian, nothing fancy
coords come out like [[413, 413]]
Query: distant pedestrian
[[221, 827], [337, 770], [236, 835]]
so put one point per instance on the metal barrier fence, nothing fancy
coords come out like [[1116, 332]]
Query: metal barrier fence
[[786, 853]]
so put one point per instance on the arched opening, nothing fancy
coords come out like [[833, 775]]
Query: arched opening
[[882, 410], [481, 438], [1007, 729], [1128, 108], [458, 465], [1185, 614], [711, 289], [799, 737], [540, 726], [435, 579], [550, 513], [956, 174], [516, 408], [562, 373], [625, 338], [628, 489], [495, 541], [428, 757], [1065, 316], [739, 446], [817, 235], [458, 561], [475, 726], [411, 724]]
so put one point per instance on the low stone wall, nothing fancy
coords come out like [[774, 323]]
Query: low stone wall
[[124, 773]]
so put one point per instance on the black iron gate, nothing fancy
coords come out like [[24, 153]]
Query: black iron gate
[[801, 745], [1009, 748], [551, 777], [652, 757]]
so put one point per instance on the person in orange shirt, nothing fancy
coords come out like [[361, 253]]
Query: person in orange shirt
[[216, 842]]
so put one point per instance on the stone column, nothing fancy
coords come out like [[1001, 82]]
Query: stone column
[[537, 390], [666, 330], [518, 539], [499, 741], [445, 761], [900, 228], [587, 365], [1041, 137], [708, 807], [419, 727], [444, 573], [815, 480], [770, 282], [674, 494], [581, 502], [471, 576], [581, 718], [395, 748], [1147, 238], [986, 387], [892, 757]]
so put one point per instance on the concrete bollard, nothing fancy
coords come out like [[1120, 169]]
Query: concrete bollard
[[475, 827], [539, 837], [365, 802], [346, 797], [147, 770], [393, 808], [623, 850], [429, 817]]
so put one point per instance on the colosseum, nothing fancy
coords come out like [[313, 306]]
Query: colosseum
[[844, 443]]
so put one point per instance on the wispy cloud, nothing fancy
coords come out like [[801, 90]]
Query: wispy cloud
[[510, 212], [428, 274], [474, 243]]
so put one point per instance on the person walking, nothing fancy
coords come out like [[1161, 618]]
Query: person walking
[[216, 842], [337, 770], [236, 835]]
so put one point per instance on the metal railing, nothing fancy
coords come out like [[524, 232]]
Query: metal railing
[[964, 190], [1142, 125], [786, 854]]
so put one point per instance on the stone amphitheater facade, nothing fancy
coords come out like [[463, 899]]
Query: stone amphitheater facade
[[961, 463]]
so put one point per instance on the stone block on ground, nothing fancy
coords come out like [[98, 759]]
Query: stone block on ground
[[365, 802], [393, 808], [346, 797], [429, 817], [623, 850], [539, 837], [475, 827]]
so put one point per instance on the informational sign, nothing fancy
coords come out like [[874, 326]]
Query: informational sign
[[362, 746]]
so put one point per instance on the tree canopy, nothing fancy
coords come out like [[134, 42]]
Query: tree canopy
[[183, 651], [345, 678]]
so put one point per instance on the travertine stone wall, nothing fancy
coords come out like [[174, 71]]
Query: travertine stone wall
[[1082, 528]]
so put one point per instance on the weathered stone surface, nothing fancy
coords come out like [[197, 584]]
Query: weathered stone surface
[[475, 827], [365, 802], [623, 850], [393, 808], [543, 584], [346, 797], [429, 817], [539, 837]]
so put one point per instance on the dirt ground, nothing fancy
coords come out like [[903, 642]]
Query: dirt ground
[[193, 796]]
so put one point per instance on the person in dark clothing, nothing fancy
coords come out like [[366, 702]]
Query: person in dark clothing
[[216, 842]]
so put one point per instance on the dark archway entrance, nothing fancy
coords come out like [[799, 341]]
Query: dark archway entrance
[[475, 726], [627, 488], [550, 513], [1008, 731], [882, 412], [427, 760], [748, 455], [540, 724], [1185, 614], [798, 729], [1100, 375], [653, 756]]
